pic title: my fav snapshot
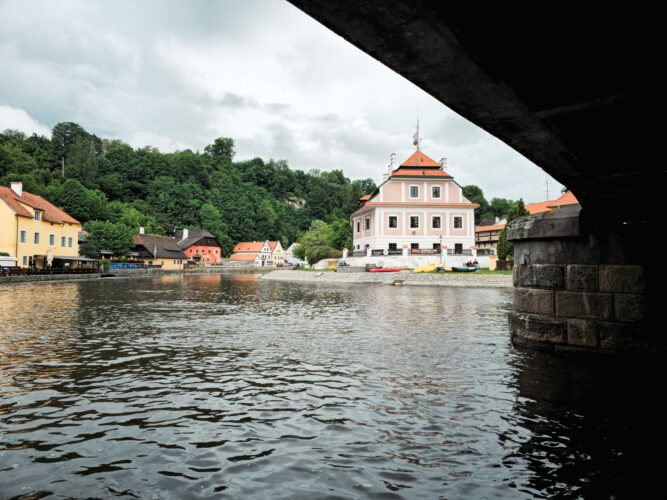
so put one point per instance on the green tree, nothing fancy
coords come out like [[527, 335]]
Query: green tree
[[505, 248], [317, 243], [62, 138], [474, 194], [105, 235]]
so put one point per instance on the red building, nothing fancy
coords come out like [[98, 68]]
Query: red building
[[199, 245]]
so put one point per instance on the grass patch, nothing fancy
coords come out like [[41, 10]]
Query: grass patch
[[487, 271], [317, 270]]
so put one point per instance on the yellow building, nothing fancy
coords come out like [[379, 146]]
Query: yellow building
[[277, 253], [35, 232]]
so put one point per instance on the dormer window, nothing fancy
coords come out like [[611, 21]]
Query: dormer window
[[38, 215]]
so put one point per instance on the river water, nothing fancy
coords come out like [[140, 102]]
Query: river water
[[226, 386]]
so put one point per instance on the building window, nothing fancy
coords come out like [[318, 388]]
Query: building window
[[368, 223], [392, 246], [414, 221], [52, 240], [36, 238], [458, 222], [414, 191], [435, 222], [62, 241], [393, 221], [38, 215], [458, 248], [414, 246], [436, 246], [25, 260], [23, 236], [435, 192], [69, 242], [358, 227]]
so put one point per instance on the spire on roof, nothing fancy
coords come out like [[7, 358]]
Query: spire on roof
[[416, 140]]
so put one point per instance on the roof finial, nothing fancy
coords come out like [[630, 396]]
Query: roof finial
[[416, 140]]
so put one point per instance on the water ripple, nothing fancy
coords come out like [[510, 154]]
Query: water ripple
[[223, 386]]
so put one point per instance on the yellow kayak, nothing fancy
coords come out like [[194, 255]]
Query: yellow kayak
[[427, 269]]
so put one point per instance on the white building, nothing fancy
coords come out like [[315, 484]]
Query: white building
[[417, 208]]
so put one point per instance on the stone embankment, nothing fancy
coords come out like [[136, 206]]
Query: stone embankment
[[470, 280]]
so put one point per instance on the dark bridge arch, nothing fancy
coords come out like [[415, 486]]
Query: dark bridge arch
[[569, 87], [574, 88]]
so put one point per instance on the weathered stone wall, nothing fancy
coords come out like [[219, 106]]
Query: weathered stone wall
[[583, 289]]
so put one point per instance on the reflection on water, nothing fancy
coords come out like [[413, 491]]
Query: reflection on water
[[225, 386]]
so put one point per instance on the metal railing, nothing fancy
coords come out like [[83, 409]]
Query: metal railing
[[425, 251], [29, 271], [465, 251], [129, 265]]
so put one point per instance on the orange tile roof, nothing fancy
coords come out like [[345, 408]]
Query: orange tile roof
[[243, 256], [419, 159], [365, 197], [51, 212], [567, 199], [495, 227], [272, 245], [536, 208], [425, 173], [248, 246]]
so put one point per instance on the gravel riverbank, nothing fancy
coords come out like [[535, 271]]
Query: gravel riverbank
[[471, 280]]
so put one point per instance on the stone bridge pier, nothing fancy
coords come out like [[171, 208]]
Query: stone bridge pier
[[579, 287], [577, 90]]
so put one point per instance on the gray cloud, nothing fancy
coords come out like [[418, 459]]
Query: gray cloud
[[177, 75]]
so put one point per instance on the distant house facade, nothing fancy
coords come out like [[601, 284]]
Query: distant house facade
[[486, 234], [199, 245], [277, 253], [290, 258], [36, 233], [159, 251], [416, 210], [258, 253]]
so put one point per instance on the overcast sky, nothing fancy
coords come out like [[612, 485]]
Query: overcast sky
[[176, 75]]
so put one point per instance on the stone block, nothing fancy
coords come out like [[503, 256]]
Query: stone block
[[534, 301], [585, 305], [581, 332], [625, 279], [541, 276], [582, 277], [538, 329], [620, 337], [630, 306], [515, 275]]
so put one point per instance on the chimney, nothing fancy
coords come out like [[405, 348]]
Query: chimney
[[141, 229], [390, 167], [185, 233], [17, 187], [443, 163]]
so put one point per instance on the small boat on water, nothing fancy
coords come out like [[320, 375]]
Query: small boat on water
[[464, 269], [385, 270]]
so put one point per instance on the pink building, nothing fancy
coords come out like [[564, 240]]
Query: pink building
[[417, 208]]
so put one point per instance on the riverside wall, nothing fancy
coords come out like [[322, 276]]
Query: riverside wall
[[407, 278]]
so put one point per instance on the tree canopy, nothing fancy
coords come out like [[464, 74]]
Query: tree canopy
[[505, 248], [106, 180]]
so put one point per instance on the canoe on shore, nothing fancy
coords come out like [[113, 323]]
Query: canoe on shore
[[464, 269], [385, 270], [427, 269]]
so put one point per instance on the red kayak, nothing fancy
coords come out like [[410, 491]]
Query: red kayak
[[386, 270]]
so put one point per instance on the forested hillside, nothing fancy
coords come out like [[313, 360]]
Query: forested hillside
[[122, 188]]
